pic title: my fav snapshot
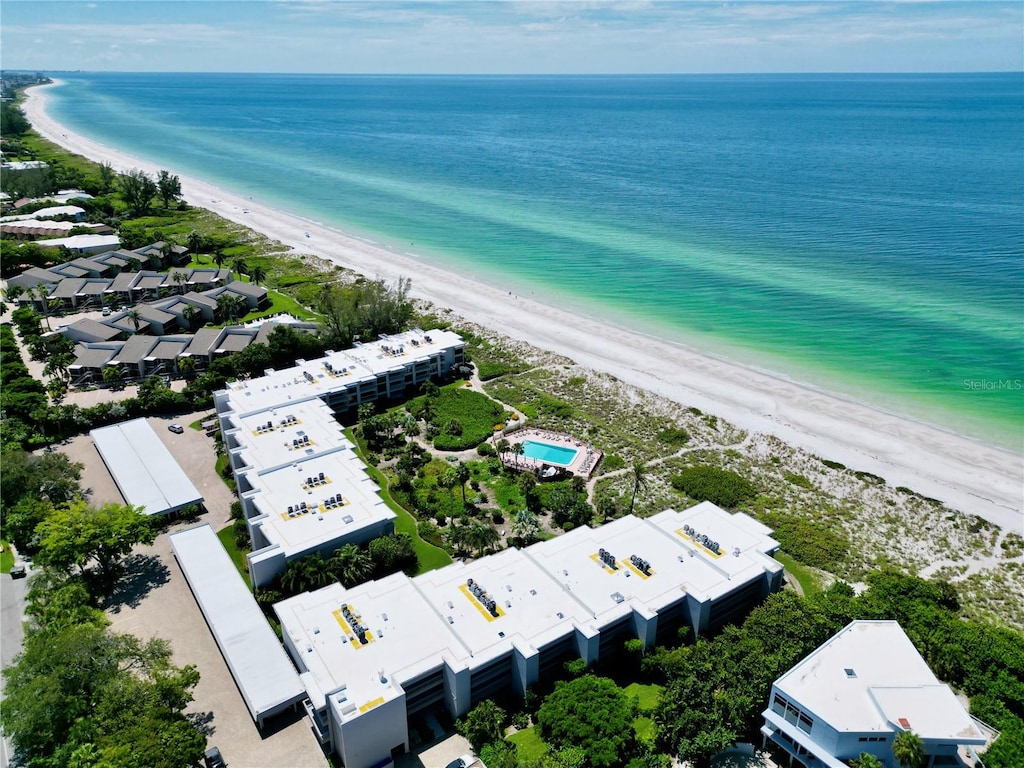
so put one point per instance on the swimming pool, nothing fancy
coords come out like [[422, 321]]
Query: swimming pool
[[558, 455]]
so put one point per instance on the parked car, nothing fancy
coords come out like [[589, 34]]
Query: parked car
[[213, 758], [466, 761], [106, 311], [18, 571], [176, 428]]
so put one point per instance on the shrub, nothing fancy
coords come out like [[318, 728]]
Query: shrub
[[612, 462], [719, 486], [809, 541], [575, 668], [799, 480], [485, 449], [674, 437], [833, 464]]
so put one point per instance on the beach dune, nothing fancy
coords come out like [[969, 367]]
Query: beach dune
[[968, 475]]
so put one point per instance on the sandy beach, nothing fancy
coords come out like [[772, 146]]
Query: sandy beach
[[968, 475]]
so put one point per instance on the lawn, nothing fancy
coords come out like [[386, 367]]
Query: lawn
[[227, 538], [474, 413], [805, 578], [530, 748], [428, 556], [6, 558]]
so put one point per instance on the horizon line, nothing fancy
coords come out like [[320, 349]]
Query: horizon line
[[44, 71]]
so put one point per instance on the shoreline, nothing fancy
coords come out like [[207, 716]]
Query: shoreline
[[968, 475]]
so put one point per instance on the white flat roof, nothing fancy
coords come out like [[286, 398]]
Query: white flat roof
[[745, 546], [867, 677], [408, 639], [314, 379], [541, 594], [610, 591], [262, 448], [262, 670], [144, 470], [344, 474], [531, 609]]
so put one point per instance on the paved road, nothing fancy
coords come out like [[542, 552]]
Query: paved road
[[12, 611]]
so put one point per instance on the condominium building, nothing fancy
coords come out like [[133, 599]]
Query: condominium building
[[302, 487], [375, 655], [856, 692]]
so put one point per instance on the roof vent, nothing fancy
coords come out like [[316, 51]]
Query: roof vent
[[850, 673], [617, 597]]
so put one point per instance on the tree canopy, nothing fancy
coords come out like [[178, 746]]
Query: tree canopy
[[137, 190], [82, 692], [591, 713], [76, 535]]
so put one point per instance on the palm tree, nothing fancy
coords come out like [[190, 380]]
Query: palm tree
[[866, 760], [58, 365], [517, 451], [52, 305], [219, 257], [239, 266], [448, 479], [480, 537], [230, 303], [194, 242], [112, 375], [190, 313], [502, 446], [257, 274], [525, 524], [135, 317], [352, 565], [179, 277], [908, 750], [462, 476], [186, 365], [639, 482]]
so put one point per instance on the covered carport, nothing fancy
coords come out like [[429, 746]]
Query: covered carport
[[258, 663]]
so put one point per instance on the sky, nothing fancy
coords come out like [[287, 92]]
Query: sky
[[511, 37]]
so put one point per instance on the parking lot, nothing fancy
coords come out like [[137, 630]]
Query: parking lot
[[155, 601]]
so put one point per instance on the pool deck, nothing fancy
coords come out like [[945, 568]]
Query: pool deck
[[582, 465]]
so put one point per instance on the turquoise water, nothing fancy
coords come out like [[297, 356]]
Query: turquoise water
[[863, 234], [558, 455]]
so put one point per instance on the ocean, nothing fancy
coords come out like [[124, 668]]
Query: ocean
[[863, 234]]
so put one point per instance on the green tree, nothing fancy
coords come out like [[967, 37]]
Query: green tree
[[480, 537], [591, 713], [219, 257], [908, 750], [239, 266], [137, 191], [77, 535], [82, 695], [136, 318], [866, 760], [483, 724], [351, 565], [169, 187], [190, 313], [462, 476], [525, 525], [107, 176], [49, 476], [257, 274], [393, 552]]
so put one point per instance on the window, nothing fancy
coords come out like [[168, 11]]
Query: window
[[805, 723]]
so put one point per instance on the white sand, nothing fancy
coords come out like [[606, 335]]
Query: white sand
[[968, 475]]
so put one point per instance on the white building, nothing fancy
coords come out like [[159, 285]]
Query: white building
[[302, 487], [145, 472], [375, 370], [856, 692], [373, 656]]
